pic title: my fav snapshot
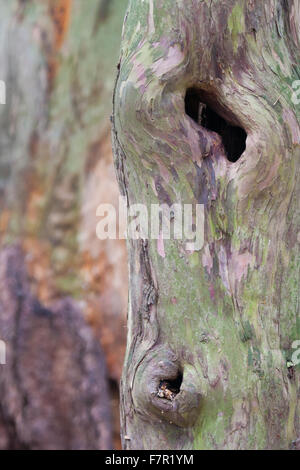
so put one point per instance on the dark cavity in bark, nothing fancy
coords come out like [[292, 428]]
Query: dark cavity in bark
[[203, 108], [170, 388]]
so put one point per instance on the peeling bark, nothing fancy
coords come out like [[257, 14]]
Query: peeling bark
[[221, 321]]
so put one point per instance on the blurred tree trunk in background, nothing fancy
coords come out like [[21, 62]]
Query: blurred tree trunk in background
[[53, 387], [204, 113], [58, 59]]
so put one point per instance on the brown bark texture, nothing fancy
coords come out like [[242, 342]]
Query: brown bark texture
[[205, 113], [53, 387]]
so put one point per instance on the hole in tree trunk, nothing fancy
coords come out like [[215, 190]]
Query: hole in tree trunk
[[170, 388], [204, 109]]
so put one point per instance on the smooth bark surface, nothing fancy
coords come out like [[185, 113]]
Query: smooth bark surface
[[217, 324]]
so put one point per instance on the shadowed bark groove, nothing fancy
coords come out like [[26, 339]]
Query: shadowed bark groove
[[223, 318]]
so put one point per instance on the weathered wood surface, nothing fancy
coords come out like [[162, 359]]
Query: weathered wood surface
[[221, 320]]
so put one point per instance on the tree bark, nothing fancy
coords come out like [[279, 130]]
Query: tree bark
[[215, 325], [58, 59], [54, 392]]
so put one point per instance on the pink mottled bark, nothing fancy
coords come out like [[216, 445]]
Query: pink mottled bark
[[215, 111]]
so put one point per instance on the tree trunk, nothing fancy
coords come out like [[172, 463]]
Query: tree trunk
[[205, 113], [58, 59], [53, 385]]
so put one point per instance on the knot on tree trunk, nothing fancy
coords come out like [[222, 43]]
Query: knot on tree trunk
[[166, 390]]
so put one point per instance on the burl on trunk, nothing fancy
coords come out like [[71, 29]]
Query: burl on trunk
[[205, 112]]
